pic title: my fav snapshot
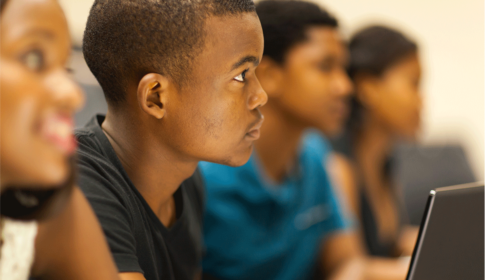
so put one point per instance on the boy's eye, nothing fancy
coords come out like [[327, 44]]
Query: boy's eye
[[34, 60], [326, 67], [241, 77]]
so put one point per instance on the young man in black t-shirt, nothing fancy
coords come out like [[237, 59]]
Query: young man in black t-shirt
[[179, 79]]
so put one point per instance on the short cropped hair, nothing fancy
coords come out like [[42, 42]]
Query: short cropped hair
[[285, 24], [127, 39]]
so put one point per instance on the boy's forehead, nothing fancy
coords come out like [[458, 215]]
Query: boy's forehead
[[327, 38], [321, 43], [229, 38]]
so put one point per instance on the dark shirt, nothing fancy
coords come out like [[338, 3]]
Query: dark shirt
[[138, 240], [375, 245]]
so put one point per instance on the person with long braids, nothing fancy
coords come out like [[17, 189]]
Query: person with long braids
[[48, 230], [386, 107]]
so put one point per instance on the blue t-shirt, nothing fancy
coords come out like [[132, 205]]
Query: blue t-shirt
[[255, 228]]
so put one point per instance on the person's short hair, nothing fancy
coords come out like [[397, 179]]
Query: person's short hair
[[374, 49], [285, 24], [127, 39]]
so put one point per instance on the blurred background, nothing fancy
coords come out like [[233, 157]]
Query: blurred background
[[450, 35]]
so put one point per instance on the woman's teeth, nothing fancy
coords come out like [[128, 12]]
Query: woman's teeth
[[59, 131]]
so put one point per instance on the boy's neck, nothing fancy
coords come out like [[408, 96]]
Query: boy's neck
[[155, 169], [278, 145]]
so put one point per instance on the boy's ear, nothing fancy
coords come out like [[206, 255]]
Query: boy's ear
[[152, 94], [270, 76]]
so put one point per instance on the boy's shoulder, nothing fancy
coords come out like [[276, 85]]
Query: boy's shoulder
[[98, 175], [87, 139]]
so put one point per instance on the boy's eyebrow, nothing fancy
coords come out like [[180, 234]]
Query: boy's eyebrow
[[248, 58], [334, 59]]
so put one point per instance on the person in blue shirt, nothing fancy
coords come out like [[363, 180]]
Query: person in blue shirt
[[257, 227], [278, 217]]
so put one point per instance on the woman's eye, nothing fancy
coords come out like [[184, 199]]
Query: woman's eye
[[241, 77], [34, 60], [416, 83]]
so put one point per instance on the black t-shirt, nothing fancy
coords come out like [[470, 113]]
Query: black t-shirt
[[138, 240]]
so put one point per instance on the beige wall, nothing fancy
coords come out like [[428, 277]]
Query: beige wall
[[451, 39], [77, 12]]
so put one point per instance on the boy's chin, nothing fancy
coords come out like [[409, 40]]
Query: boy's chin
[[331, 130], [235, 159]]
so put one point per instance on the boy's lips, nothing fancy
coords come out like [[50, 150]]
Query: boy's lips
[[58, 130], [341, 109], [254, 131]]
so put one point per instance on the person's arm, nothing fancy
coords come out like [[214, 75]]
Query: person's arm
[[341, 257], [132, 276], [341, 254], [344, 258], [407, 240], [344, 252], [342, 175], [72, 245]]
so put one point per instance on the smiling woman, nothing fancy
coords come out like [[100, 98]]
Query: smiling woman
[[40, 207], [38, 97]]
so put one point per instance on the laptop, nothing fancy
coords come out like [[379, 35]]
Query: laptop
[[450, 243]]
